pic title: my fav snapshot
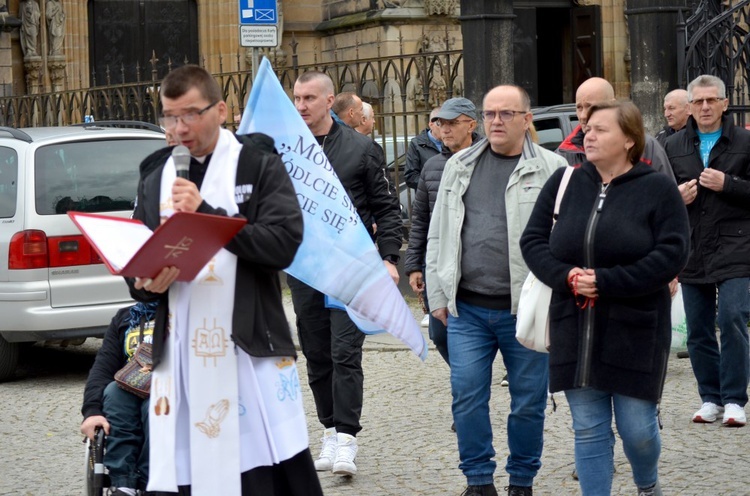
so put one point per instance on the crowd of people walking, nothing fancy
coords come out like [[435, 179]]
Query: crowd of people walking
[[638, 217]]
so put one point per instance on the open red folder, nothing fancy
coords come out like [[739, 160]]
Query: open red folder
[[186, 240]]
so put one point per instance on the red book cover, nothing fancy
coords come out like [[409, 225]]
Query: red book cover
[[185, 240]]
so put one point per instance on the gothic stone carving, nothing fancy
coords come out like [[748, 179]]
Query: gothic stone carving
[[440, 7]]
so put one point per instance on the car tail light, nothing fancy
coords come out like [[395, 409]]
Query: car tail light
[[65, 251], [28, 250], [34, 250]]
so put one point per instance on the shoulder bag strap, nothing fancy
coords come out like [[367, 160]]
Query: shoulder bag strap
[[561, 192]]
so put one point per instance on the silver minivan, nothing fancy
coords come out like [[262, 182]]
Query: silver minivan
[[53, 286]]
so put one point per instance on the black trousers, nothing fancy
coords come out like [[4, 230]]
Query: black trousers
[[332, 346], [293, 477]]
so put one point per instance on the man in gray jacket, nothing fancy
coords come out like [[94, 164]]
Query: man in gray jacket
[[476, 270]]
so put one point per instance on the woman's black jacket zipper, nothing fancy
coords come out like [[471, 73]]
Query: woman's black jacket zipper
[[583, 372]]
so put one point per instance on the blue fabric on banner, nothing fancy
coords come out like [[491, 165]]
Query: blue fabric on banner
[[337, 256]]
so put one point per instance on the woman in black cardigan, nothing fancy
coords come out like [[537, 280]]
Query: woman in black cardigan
[[620, 238]]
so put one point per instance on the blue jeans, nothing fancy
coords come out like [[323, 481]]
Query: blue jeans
[[722, 373], [474, 337], [637, 425], [126, 456]]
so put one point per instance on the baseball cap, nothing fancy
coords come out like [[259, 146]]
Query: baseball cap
[[454, 107]]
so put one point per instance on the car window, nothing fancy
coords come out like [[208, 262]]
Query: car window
[[388, 144], [89, 176], [549, 131], [8, 182]]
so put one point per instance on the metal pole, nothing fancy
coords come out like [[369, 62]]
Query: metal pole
[[256, 54]]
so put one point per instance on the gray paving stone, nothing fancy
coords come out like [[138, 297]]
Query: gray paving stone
[[406, 446]]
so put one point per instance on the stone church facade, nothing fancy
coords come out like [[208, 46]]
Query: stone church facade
[[557, 43]]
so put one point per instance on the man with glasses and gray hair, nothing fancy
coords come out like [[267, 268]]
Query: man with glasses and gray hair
[[712, 166], [456, 121], [475, 271]]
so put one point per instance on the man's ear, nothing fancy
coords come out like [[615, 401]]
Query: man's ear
[[223, 111]]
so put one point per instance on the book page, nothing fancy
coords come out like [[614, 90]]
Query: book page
[[117, 239]]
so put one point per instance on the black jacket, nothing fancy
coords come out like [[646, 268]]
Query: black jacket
[[421, 208], [360, 166], [265, 246], [666, 132], [719, 222], [421, 149], [638, 245]]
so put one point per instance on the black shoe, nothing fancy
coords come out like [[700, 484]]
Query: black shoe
[[520, 491], [654, 490], [453, 427], [485, 490], [683, 354]]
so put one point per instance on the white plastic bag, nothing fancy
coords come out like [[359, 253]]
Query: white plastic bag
[[679, 324], [532, 319]]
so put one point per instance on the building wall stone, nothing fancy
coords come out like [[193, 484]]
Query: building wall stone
[[324, 30]]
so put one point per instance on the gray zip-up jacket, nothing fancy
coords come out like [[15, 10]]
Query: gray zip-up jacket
[[534, 167]]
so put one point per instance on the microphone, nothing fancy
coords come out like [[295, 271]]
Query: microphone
[[181, 158]]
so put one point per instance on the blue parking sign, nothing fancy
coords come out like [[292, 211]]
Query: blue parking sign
[[258, 12]]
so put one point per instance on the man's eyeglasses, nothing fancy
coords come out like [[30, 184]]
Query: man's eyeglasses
[[710, 101], [453, 123], [170, 121], [505, 115]]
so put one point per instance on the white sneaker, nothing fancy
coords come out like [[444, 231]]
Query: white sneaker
[[425, 320], [324, 463], [734, 415], [708, 413], [346, 452]]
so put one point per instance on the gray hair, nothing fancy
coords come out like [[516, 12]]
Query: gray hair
[[367, 110], [707, 81]]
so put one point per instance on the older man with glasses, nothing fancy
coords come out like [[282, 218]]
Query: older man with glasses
[[476, 270], [457, 121], [712, 166]]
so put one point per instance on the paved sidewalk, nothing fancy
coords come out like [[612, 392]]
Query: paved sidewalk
[[407, 447]]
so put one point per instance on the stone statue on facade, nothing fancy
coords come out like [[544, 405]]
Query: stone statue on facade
[[30, 16], [55, 27]]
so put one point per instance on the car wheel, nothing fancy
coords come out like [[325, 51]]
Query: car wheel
[[8, 359]]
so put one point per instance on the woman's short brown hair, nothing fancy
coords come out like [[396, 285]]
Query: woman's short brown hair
[[631, 123]]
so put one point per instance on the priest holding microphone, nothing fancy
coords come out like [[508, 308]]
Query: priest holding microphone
[[226, 411]]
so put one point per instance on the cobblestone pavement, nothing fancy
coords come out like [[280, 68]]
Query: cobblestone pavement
[[406, 446]]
